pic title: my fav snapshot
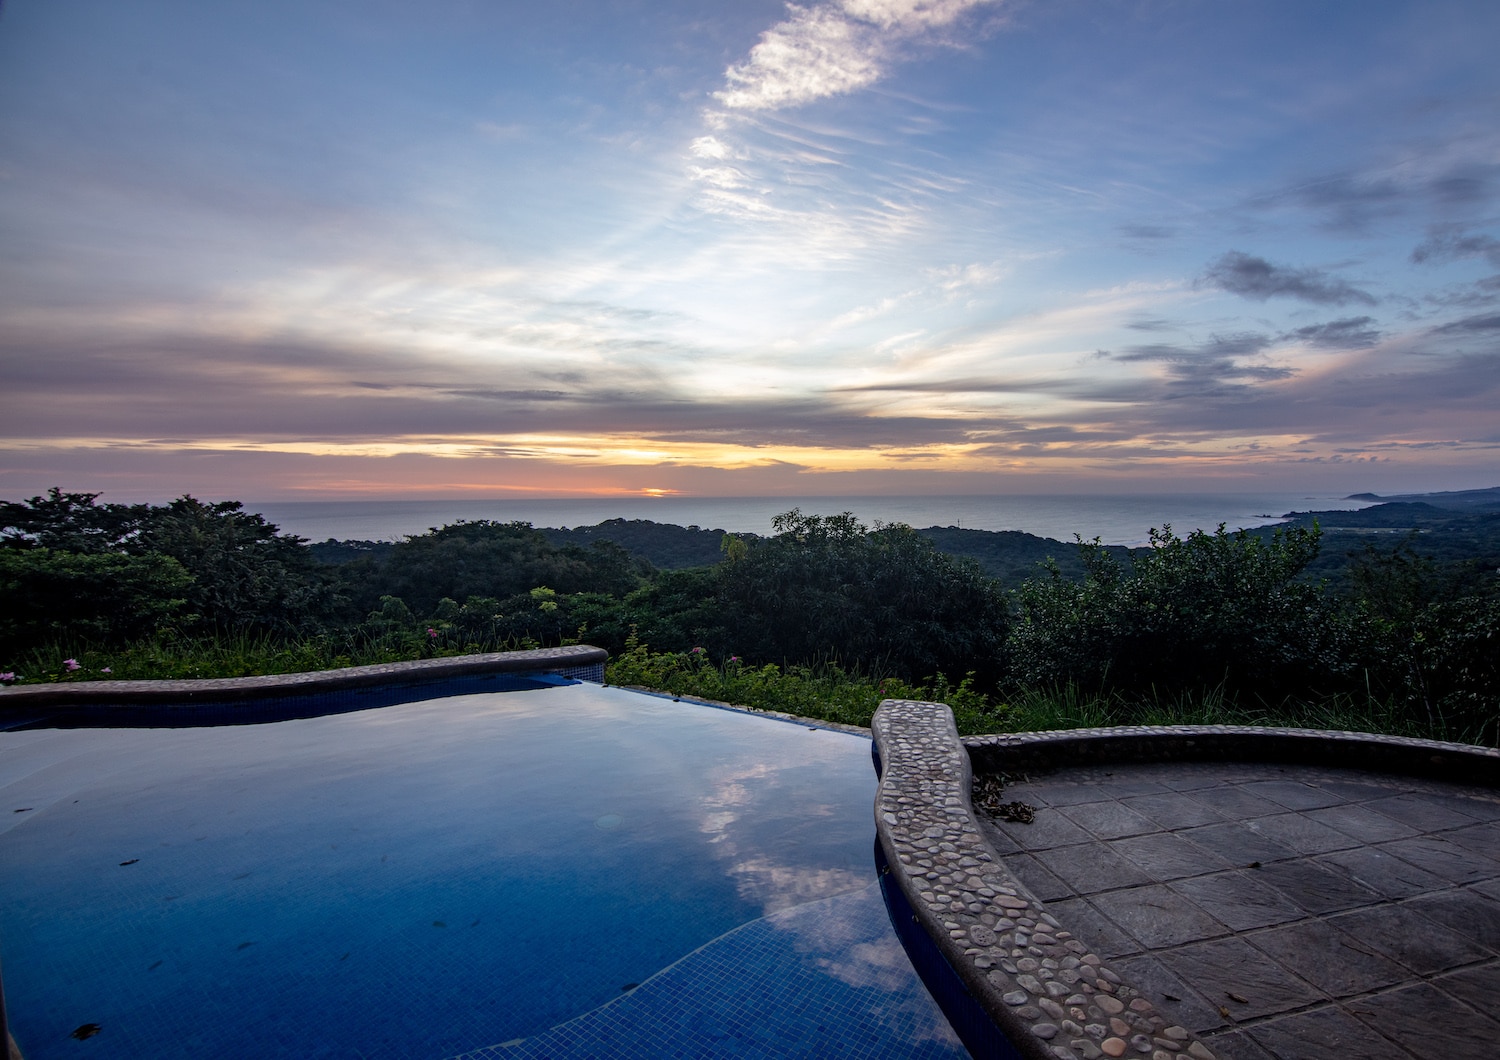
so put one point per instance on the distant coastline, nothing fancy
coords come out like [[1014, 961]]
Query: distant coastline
[[1115, 519]]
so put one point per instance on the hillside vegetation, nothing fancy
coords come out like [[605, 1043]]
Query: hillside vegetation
[[1389, 618]]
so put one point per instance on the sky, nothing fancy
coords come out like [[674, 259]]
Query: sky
[[276, 250]]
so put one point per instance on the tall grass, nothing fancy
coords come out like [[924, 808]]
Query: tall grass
[[829, 693]]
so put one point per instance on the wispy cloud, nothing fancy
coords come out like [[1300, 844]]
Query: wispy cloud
[[1347, 334], [1252, 277], [831, 49], [1453, 243]]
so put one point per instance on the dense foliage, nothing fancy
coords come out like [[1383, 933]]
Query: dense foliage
[[826, 610]]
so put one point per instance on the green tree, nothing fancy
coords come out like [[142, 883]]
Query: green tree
[[1212, 610], [829, 588], [91, 598]]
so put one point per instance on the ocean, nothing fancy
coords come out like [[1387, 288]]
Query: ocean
[[1116, 519]]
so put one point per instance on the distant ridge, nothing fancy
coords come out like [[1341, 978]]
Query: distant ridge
[[1464, 499]]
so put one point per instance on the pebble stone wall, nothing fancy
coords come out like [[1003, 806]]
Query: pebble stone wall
[[581, 661], [1050, 996]]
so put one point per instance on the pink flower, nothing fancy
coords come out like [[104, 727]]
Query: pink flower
[[71, 664], [734, 658], [431, 632], [106, 670], [697, 651], [8, 677]]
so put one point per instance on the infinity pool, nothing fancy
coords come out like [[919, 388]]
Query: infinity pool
[[568, 871]]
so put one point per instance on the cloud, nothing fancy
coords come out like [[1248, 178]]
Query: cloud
[[1451, 244], [1470, 326], [1252, 277], [831, 49], [1351, 333]]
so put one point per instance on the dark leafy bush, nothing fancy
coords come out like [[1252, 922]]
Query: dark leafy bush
[[1209, 611], [827, 588]]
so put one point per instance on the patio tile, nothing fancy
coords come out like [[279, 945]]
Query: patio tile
[[1238, 803], [1049, 828], [1174, 810], [1473, 915], [1093, 928], [1476, 986], [1482, 838], [1362, 823], [1404, 934], [1164, 988], [1238, 844], [1448, 860], [1388, 875], [1239, 900], [1232, 966], [1315, 888], [1037, 879], [1420, 811], [1320, 953], [1158, 916], [1327, 1033], [1303, 835], [1446, 1029], [1165, 856], [1091, 867], [1110, 820], [1236, 1045], [1294, 795]]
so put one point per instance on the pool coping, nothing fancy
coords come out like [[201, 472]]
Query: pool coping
[[1041, 987], [583, 661]]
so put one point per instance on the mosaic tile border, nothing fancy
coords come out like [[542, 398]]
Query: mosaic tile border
[[580, 661], [1050, 997]]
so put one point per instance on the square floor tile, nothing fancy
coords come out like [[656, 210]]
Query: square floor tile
[[1226, 967], [1314, 887], [1240, 900], [1238, 803], [1424, 812], [1448, 860], [1294, 795], [1473, 915], [1110, 820], [1177, 1001], [1237, 844], [1383, 873], [1091, 867], [1037, 879], [1158, 916], [1165, 856], [1174, 810], [1302, 834], [1048, 828], [1091, 927], [1477, 986], [1323, 1034], [1446, 1030], [1336, 963], [1403, 934], [1362, 823]]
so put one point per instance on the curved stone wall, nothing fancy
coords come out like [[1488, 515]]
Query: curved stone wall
[[1051, 997], [1037, 983]]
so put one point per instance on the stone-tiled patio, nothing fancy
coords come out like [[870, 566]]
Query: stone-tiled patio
[[1278, 910]]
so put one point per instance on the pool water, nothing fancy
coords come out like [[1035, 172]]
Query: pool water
[[548, 872]]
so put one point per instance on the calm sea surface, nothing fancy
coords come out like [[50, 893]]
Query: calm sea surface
[[1117, 519]]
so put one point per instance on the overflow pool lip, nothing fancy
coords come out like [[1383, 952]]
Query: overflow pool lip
[[582, 661]]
